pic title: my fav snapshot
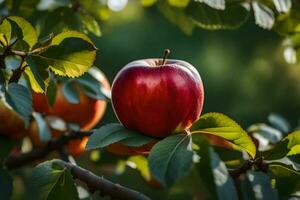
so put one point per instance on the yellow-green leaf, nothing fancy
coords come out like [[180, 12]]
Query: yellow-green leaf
[[179, 3], [70, 53], [220, 125], [29, 34], [294, 143], [5, 32]]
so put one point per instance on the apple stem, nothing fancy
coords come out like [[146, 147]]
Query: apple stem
[[166, 53]]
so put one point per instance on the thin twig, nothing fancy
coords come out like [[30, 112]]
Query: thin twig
[[106, 187], [13, 162]]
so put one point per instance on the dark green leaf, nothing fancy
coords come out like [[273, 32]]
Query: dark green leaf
[[261, 186], [286, 175], [6, 184], [70, 92], [208, 18], [19, 98], [43, 128], [52, 182], [279, 151], [213, 173], [171, 159], [51, 92], [113, 133]]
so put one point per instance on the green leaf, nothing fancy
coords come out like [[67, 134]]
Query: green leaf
[[289, 146], [294, 143], [19, 98], [177, 17], [6, 184], [43, 128], [222, 126], [5, 30], [51, 92], [279, 122], [70, 54], [209, 18], [171, 159], [141, 164], [91, 84], [283, 5], [113, 133], [261, 186], [29, 34], [267, 132], [90, 24], [286, 175], [179, 3], [70, 92], [213, 173], [217, 4], [52, 182], [288, 23], [264, 16], [37, 74]]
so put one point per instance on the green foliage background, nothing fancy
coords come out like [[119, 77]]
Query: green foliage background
[[243, 70]]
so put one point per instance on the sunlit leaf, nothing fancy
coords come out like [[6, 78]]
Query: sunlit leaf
[[5, 30], [70, 54], [90, 24], [147, 3], [282, 5], [29, 34], [179, 3], [141, 164], [171, 159], [264, 16], [37, 74], [222, 126]]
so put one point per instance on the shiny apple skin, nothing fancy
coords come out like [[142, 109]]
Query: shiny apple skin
[[157, 100]]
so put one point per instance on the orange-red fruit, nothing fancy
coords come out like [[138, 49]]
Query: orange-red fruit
[[11, 124], [86, 114]]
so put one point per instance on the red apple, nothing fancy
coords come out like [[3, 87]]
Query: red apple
[[157, 97]]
